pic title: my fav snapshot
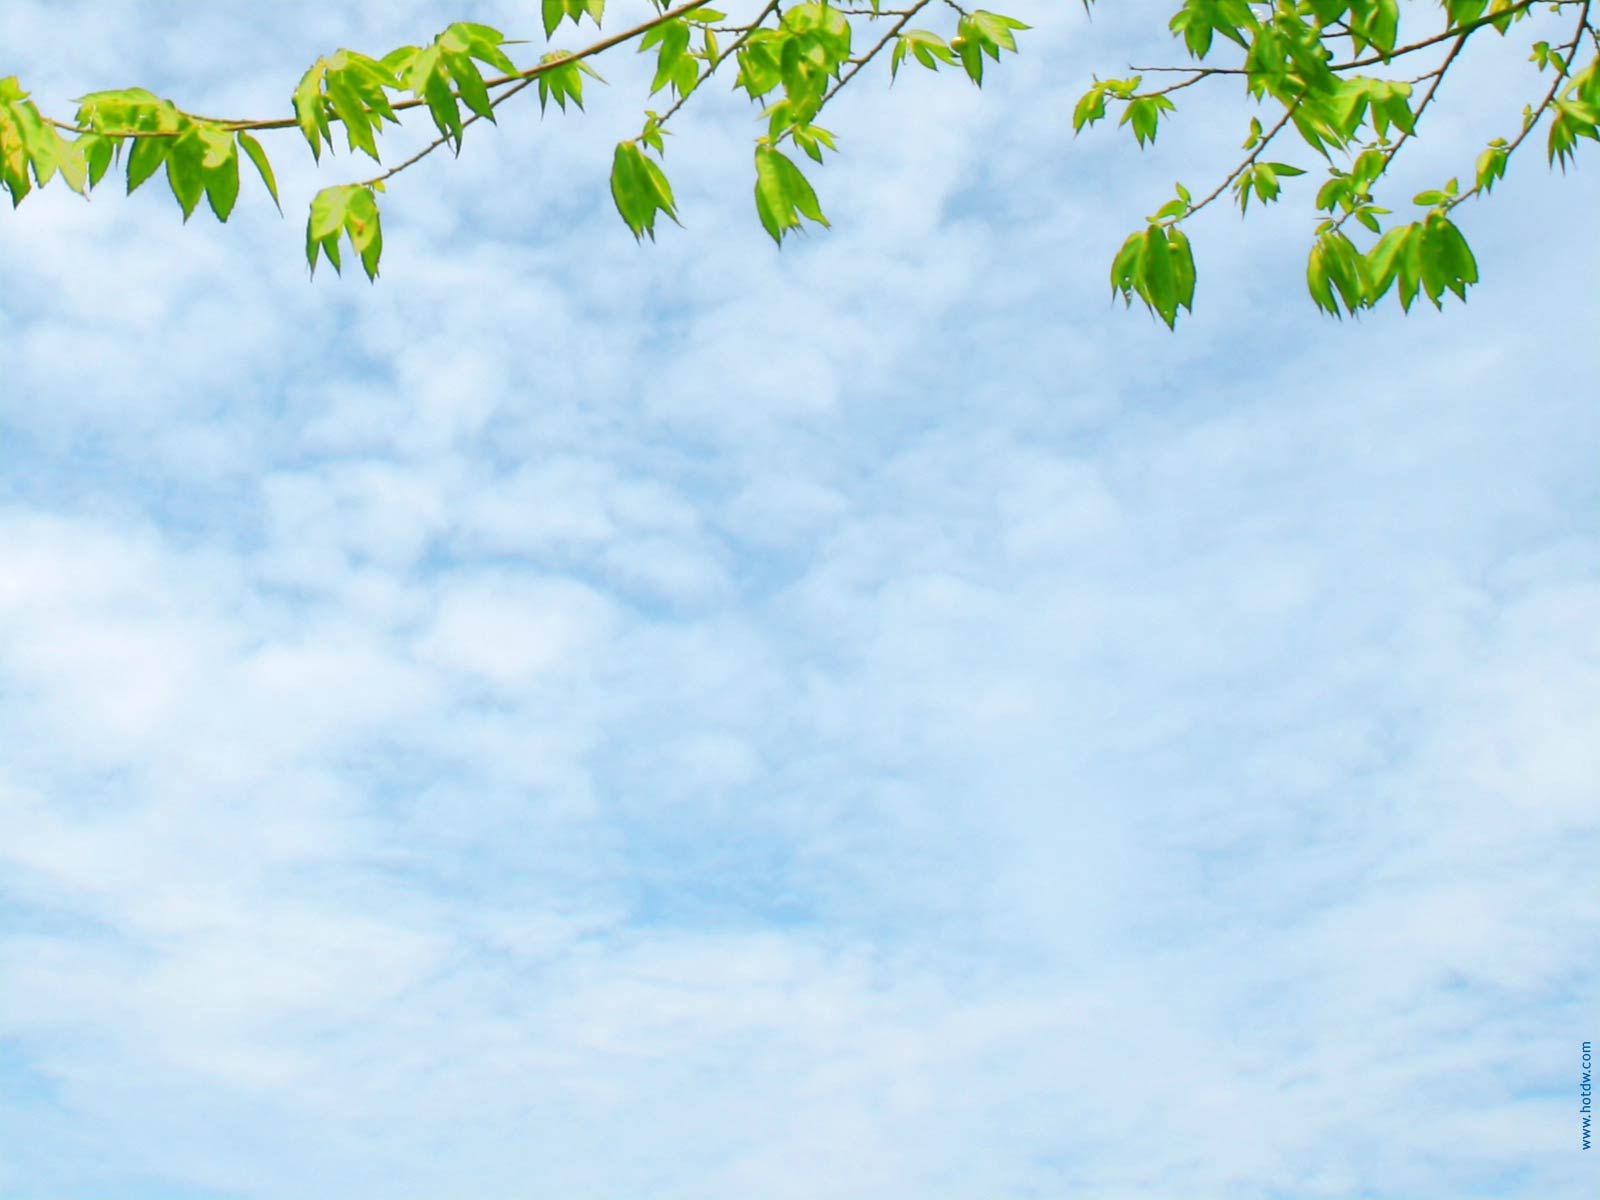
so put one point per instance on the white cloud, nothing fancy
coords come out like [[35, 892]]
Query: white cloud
[[513, 634]]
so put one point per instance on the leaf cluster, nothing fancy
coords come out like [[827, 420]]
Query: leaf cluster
[[32, 152], [1341, 76], [790, 60], [640, 189], [1156, 265], [1430, 257], [200, 157], [350, 210], [1305, 58]]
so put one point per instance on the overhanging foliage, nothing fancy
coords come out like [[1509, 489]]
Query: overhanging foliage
[[1332, 73]]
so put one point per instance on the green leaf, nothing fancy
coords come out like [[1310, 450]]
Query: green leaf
[[1157, 265], [812, 139], [327, 212], [554, 11], [760, 69], [1491, 166], [482, 42], [469, 83], [640, 190], [1317, 281], [186, 170], [1464, 12], [442, 105], [1143, 114], [927, 48], [1125, 267], [365, 229], [1091, 107], [1159, 275], [124, 110], [145, 158], [69, 160], [219, 169], [348, 107], [1265, 181], [1447, 261], [30, 144], [1374, 24], [1183, 267], [263, 165], [1198, 20], [671, 43], [996, 31], [970, 52], [561, 83], [1383, 260], [1337, 275], [660, 189], [783, 194], [1574, 119], [13, 160], [309, 110], [351, 210], [98, 151]]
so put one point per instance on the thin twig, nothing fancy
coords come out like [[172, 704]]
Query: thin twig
[[1544, 105], [1261, 144], [519, 80], [748, 31]]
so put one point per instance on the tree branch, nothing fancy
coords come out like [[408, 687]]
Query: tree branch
[[520, 79], [1537, 114]]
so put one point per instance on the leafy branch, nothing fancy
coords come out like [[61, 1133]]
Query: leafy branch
[[1357, 123], [1309, 58], [463, 76]]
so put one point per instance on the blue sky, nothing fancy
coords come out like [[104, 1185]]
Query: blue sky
[[873, 720]]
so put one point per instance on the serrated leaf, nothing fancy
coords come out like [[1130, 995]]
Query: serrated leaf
[[640, 190], [350, 210], [442, 105], [186, 171], [1317, 281], [469, 82], [327, 212], [98, 151], [145, 158], [219, 167], [552, 13], [263, 165], [783, 194], [1159, 276], [1491, 166], [365, 229], [1125, 266], [309, 112], [1091, 107], [352, 113], [1183, 267], [1383, 260]]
